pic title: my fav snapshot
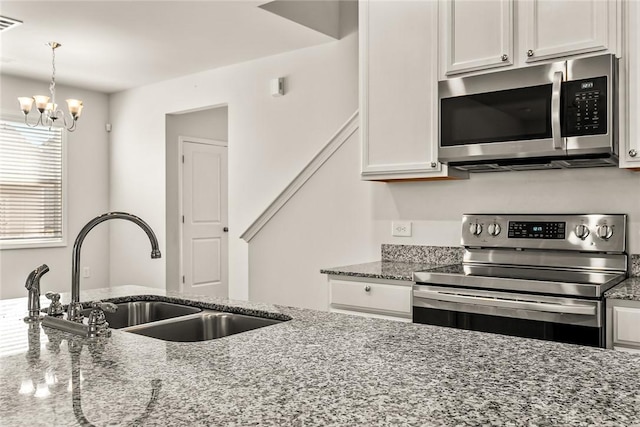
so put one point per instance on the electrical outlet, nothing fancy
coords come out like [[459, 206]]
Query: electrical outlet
[[401, 228], [86, 272]]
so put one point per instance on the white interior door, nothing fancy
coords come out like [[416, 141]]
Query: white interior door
[[204, 217]]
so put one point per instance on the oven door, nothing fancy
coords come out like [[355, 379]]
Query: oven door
[[570, 320], [506, 115]]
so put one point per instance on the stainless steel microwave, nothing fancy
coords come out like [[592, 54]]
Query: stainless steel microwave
[[556, 115]]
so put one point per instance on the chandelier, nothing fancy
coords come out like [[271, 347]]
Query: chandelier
[[49, 111]]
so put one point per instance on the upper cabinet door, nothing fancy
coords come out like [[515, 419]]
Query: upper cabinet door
[[398, 90], [630, 89], [476, 34], [558, 28]]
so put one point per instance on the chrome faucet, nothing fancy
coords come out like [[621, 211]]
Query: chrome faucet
[[33, 286], [75, 308]]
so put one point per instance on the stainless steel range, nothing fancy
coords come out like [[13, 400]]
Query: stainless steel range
[[536, 276]]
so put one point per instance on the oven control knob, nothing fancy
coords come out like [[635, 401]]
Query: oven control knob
[[605, 232], [582, 231], [494, 229], [475, 228]]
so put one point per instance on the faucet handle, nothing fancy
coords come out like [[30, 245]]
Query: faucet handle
[[108, 307], [53, 296], [55, 308], [98, 325]]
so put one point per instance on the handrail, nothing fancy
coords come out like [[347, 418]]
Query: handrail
[[335, 142]]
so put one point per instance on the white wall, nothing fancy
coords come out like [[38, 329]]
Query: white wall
[[211, 123], [87, 194], [270, 140], [327, 223], [436, 208]]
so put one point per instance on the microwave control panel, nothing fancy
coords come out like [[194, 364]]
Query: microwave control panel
[[585, 107]]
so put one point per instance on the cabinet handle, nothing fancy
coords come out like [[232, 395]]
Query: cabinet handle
[[633, 152], [529, 53], [367, 288], [434, 164], [504, 57]]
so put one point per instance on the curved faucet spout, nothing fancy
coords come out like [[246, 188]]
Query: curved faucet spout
[[75, 307]]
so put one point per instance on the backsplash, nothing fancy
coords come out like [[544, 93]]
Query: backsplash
[[422, 254], [450, 255]]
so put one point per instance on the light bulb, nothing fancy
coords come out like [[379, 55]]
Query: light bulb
[[26, 102], [41, 102], [75, 107]]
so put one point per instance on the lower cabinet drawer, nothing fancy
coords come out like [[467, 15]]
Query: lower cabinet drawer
[[371, 296]]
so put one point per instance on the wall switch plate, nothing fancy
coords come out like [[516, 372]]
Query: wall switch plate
[[401, 228], [86, 272]]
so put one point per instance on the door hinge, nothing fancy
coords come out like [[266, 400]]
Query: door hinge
[[183, 279], [183, 158], [183, 219]]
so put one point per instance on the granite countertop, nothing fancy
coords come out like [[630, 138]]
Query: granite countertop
[[398, 270], [390, 270], [317, 369], [400, 261], [629, 290]]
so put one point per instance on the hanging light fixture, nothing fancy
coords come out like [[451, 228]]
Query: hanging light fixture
[[49, 111]]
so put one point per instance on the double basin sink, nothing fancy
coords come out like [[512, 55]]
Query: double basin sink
[[176, 322]]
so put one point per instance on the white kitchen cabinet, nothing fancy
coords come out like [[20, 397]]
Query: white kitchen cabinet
[[384, 299], [630, 88], [560, 28], [473, 33], [623, 325], [398, 91], [476, 35]]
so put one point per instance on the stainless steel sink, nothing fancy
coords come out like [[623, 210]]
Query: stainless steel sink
[[140, 312], [204, 326]]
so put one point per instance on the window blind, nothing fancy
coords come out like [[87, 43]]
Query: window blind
[[30, 183]]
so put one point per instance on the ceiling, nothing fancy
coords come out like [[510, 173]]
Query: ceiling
[[111, 46]]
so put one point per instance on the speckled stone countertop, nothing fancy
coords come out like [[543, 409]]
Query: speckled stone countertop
[[317, 369], [390, 270], [400, 261], [630, 288]]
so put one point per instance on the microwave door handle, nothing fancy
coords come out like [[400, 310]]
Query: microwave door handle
[[555, 111]]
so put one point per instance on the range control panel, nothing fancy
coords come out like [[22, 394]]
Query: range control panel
[[587, 232], [536, 230], [584, 107]]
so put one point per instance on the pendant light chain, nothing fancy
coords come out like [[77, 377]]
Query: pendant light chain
[[52, 86]]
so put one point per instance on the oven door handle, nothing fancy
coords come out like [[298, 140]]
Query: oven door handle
[[555, 111], [506, 303]]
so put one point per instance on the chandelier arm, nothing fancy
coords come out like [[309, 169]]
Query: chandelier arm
[[37, 123], [60, 113]]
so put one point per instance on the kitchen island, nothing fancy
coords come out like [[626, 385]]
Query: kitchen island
[[316, 369]]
